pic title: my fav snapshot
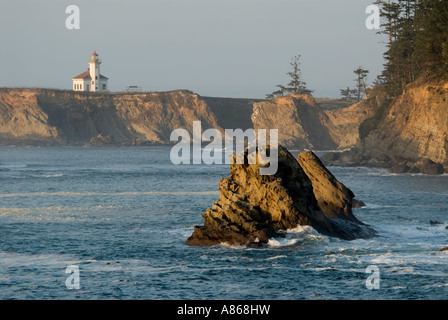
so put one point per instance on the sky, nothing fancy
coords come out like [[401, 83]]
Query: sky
[[219, 48]]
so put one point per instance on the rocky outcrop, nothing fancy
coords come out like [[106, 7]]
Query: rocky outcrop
[[298, 119], [408, 134], [334, 198], [253, 208], [62, 117], [343, 123], [305, 124], [22, 119], [414, 128], [58, 117]]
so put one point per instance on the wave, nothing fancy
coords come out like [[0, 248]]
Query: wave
[[281, 242], [8, 167], [63, 193], [378, 206], [49, 175]]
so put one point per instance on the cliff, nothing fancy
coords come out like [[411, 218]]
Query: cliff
[[406, 134], [414, 128], [253, 208], [62, 117], [305, 124], [57, 117]]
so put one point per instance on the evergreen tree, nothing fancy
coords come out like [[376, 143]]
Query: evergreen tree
[[295, 85], [418, 41], [349, 94], [432, 38], [361, 82], [357, 94]]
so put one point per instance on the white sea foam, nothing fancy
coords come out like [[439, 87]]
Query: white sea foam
[[281, 242], [276, 257], [48, 175]]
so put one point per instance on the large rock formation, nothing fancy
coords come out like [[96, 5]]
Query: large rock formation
[[58, 117], [305, 124], [62, 117], [253, 208], [343, 123], [334, 198], [408, 134], [298, 119]]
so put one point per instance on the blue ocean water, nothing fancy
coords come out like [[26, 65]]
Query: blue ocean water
[[122, 216]]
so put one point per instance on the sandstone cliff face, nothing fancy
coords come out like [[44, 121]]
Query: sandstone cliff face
[[56, 117], [406, 135], [59, 117], [22, 119], [253, 208], [414, 128], [297, 117], [304, 124], [343, 123]]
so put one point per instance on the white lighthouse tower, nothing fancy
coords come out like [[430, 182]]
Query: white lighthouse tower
[[92, 79], [94, 68]]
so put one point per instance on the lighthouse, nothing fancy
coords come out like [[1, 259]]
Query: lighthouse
[[94, 68], [92, 79]]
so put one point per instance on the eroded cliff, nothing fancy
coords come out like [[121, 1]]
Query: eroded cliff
[[408, 134], [304, 124], [58, 117], [62, 117], [413, 129]]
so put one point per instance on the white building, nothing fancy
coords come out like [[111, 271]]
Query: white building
[[91, 80]]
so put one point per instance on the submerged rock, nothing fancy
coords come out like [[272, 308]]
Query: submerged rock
[[253, 208]]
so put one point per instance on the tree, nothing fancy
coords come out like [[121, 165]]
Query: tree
[[355, 95], [391, 12], [295, 85], [349, 94], [431, 43], [418, 41], [361, 82]]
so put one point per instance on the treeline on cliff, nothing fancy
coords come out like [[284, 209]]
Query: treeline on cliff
[[417, 42]]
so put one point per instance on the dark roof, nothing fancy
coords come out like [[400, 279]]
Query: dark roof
[[86, 75]]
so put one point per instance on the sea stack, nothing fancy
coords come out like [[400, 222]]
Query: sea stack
[[253, 208]]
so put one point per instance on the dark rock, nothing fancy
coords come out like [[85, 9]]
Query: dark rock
[[414, 169], [253, 208], [357, 203], [330, 157], [428, 166], [400, 168], [398, 160]]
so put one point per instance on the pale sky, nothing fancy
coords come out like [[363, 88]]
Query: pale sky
[[221, 48]]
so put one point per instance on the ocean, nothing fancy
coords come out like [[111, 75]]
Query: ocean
[[121, 215]]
